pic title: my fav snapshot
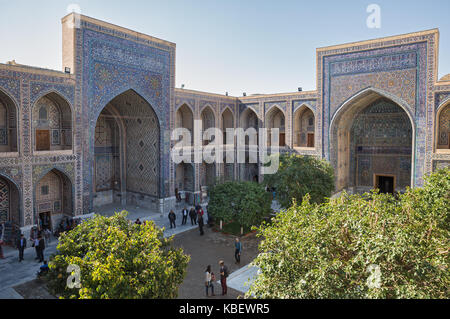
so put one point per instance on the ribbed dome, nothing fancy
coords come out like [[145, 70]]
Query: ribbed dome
[[445, 78]]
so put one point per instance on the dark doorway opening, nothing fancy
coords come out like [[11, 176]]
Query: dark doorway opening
[[385, 184], [45, 220]]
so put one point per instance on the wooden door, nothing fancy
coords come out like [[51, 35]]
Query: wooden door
[[42, 140], [310, 140], [282, 139]]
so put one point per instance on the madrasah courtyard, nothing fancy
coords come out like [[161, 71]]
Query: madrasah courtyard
[[95, 137]]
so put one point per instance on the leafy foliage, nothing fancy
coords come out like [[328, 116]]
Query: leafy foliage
[[331, 250], [117, 259], [299, 175], [243, 202]]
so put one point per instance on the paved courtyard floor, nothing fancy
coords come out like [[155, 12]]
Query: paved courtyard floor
[[208, 250], [17, 280]]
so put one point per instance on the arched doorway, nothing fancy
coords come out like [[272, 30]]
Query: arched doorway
[[10, 215], [304, 127], [372, 142], [53, 199], [52, 123], [249, 119], [208, 121], [185, 119], [443, 128], [208, 174], [127, 153], [275, 119], [8, 124], [227, 123], [185, 181]]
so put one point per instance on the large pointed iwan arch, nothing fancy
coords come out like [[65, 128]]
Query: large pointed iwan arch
[[355, 159], [127, 156]]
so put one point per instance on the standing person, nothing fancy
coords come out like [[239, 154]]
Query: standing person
[[223, 277], [47, 235], [41, 248], [193, 216], [2, 233], [185, 216], [210, 218], [21, 245], [209, 280], [238, 250], [200, 211], [172, 218], [36, 247], [200, 224]]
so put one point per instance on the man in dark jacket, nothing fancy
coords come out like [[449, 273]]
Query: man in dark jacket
[[200, 224], [223, 277], [193, 216], [41, 248], [21, 245], [172, 218]]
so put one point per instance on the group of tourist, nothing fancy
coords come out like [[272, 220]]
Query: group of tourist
[[37, 241], [66, 224], [196, 215], [210, 278]]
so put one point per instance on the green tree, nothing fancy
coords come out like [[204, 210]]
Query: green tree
[[117, 259], [360, 246], [299, 175], [244, 202]]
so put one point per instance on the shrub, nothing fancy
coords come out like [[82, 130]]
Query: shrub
[[360, 246], [117, 259]]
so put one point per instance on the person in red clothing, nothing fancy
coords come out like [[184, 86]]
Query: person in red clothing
[[223, 277], [200, 211]]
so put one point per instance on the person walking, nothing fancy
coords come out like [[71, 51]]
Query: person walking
[[184, 213], [193, 216], [172, 218], [209, 280], [41, 248], [238, 250], [21, 245], [200, 224], [223, 277]]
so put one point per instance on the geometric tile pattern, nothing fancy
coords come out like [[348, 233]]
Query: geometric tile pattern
[[4, 201], [110, 60], [444, 127]]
